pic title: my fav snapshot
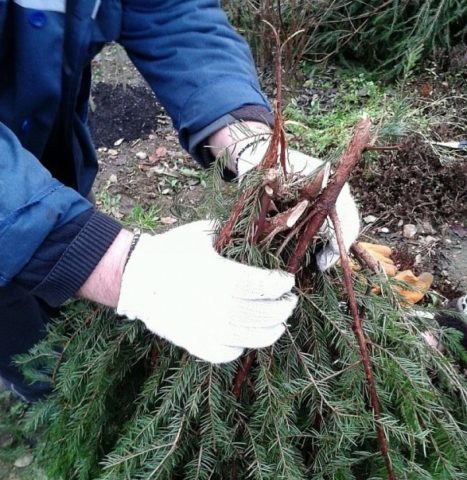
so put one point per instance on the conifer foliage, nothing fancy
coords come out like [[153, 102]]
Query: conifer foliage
[[390, 37], [131, 406], [331, 399]]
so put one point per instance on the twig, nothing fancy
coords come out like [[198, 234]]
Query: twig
[[277, 148], [312, 189], [242, 373], [270, 190], [284, 221], [362, 343], [364, 257], [226, 233], [382, 147], [328, 197]]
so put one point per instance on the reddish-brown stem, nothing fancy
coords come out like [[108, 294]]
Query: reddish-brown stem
[[362, 344], [382, 147], [226, 233], [328, 196], [312, 189], [295, 231], [276, 151], [364, 257], [153, 357], [261, 222], [240, 377]]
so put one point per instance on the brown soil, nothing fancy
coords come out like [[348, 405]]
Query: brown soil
[[128, 112]]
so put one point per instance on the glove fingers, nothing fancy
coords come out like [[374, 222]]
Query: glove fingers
[[257, 283], [264, 313], [215, 352], [348, 215], [256, 337], [266, 322]]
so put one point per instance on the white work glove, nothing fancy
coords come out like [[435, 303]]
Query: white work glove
[[184, 291], [346, 208]]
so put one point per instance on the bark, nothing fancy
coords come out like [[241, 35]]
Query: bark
[[327, 199], [362, 344]]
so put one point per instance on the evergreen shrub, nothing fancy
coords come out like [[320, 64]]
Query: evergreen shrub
[[390, 37]]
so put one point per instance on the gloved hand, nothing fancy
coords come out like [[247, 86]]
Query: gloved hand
[[302, 164], [184, 291]]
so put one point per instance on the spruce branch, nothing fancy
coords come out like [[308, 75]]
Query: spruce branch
[[93, 314], [362, 343]]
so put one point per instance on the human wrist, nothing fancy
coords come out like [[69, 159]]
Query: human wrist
[[104, 283], [235, 138]]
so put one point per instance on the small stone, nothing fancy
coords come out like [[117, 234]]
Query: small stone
[[141, 155], [118, 142], [24, 461], [429, 239], [418, 259], [444, 273], [400, 223], [112, 152], [409, 230], [384, 230], [370, 219], [102, 149], [427, 228], [113, 178], [168, 220]]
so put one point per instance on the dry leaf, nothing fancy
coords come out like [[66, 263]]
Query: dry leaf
[[459, 230], [420, 285], [159, 153], [382, 255]]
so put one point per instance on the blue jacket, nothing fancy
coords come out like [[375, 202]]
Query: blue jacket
[[198, 67]]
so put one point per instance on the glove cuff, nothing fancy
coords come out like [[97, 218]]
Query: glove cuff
[[252, 153], [134, 242]]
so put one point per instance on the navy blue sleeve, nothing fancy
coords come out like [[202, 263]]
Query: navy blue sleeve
[[32, 205], [198, 66], [67, 257]]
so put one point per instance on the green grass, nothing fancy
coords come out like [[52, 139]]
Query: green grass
[[145, 219], [109, 204], [327, 121], [14, 443]]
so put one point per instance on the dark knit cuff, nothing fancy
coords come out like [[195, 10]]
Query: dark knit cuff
[[79, 260], [254, 113]]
